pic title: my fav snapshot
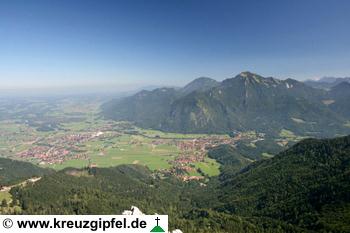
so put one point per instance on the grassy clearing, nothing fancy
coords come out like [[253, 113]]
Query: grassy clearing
[[76, 163], [135, 154], [79, 173], [194, 172], [5, 195], [298, 120], [289, 135], [76, 126], [267, 155], [9, 209], [252, 144], [209, 167]]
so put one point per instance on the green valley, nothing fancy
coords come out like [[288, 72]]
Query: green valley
[[246, 197]]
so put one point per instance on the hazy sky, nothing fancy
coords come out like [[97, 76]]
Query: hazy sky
[[169, 42]]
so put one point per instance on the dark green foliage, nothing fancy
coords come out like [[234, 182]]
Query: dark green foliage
[[299, 186], [303, 189], [13, 171], [230, 159], [3, 203], [112, 190], [255, 153]]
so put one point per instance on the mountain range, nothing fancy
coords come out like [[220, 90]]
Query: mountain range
[[246, 102], [326, 82]]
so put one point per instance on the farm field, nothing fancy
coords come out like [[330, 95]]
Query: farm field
[[157, 133], [157, 151], [126, 149]]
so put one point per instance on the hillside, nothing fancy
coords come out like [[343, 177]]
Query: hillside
[[303, 189], [250, 102], [199, 84], [230, 159], [340, 97], [112, 190], [245, 102], [13, 171], [308, 186], [146, 108]]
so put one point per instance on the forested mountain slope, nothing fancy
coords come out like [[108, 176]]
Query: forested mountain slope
[[199, 84], [308, 186], [13, 171], [245, 102], [340, 99], [303, 189], [112, 190], [146, 108]]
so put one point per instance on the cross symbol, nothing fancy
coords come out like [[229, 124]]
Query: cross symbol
[[157, 219]]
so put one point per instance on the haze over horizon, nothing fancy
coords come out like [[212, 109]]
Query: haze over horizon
[[134, 44]]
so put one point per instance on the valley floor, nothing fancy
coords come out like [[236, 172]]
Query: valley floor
[[72, 134]]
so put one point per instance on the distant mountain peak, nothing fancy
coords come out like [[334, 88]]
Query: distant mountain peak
[[333, 79], [342, 85], [250, 77], [341, 89], [326, 83], [247, 101], [203, 78], [200, 84], [248, 74]]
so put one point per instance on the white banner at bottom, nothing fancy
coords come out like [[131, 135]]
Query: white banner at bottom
[[83, 223]]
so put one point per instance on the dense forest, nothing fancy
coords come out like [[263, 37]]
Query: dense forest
[[307, 185], [303, 189], [13, 171]]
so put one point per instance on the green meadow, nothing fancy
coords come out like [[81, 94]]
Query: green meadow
[[290, 136], [161, 134], [5, 195], [125, 149], [134, 149], [209, 167]]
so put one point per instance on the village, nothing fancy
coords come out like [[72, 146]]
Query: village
[[195, 150], [57, 149], [114, 143]]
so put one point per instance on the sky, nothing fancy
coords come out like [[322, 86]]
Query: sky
[[67, 43]]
